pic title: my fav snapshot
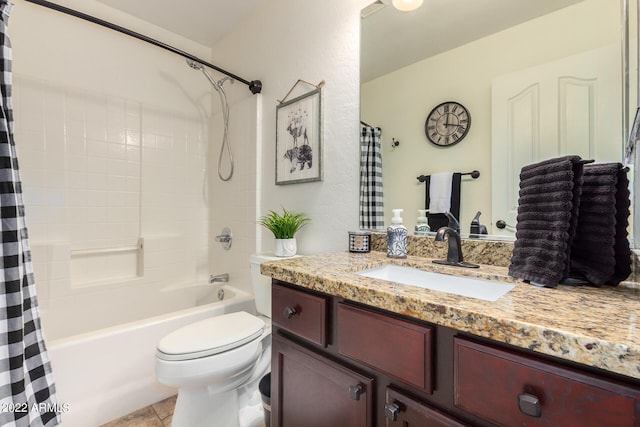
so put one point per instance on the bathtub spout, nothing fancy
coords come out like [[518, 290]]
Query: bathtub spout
[[219, 278]]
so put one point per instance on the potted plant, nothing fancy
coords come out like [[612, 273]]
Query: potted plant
[[284, 228]]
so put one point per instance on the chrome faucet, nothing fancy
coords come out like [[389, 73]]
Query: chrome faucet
[[219, 278], [454, 251]]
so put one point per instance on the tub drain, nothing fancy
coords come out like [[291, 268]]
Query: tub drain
[[220, 294]]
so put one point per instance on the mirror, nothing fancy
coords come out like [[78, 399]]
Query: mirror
[[478, 54]]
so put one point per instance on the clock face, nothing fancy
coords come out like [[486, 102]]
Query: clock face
[[447, 124]]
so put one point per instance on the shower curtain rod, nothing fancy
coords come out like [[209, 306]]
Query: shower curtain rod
[[255, 86]]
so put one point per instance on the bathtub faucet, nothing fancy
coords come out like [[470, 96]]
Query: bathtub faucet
[[219, 278]]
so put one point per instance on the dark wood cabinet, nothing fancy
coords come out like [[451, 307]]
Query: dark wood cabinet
[[336, 363], [509, 389], [300, 313], [399, 348], [312, 391], [404, 411]]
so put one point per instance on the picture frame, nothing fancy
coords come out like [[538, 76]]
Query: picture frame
[[299, 139]]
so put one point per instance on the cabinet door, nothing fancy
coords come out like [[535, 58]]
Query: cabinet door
[[404, 411], [399, 348], [311, 391]]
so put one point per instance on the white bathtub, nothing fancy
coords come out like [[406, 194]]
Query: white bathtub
[[108, 373]]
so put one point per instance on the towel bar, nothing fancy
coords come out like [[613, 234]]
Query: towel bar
[[474, 174]]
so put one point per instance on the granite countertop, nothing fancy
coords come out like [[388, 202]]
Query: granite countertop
[[598, 327]]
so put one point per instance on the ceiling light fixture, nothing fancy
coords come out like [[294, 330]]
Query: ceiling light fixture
[[406, 5]]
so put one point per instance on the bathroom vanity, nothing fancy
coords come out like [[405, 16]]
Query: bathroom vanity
[[351, 350]]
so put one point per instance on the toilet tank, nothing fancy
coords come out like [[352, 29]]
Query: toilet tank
[[261, 284]]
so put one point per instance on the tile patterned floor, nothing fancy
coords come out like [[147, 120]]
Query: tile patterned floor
[[157, 415]]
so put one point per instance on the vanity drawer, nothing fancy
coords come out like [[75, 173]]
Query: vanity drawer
[[300, 313], [508, 389], [399, 348], [403, 411]]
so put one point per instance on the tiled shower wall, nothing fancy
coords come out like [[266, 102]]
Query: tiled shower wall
[[113, 189]]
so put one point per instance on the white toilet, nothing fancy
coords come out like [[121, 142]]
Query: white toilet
[[216, 363]]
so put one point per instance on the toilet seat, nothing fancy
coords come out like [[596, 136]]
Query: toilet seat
[[210, 336]]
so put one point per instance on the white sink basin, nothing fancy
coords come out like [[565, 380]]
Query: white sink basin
[[459, 285]]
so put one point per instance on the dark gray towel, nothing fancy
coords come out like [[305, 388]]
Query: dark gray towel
[[600, 251], [548, 204], [623, 266]]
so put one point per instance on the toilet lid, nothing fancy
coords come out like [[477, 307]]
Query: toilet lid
[[210, 336]]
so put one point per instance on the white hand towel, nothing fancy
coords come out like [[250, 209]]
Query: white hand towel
[[440, 192]]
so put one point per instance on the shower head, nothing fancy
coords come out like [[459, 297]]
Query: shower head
[[194, 64], [198, 66], [217, 85]]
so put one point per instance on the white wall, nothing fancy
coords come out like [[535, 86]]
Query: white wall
[[289, 40], [400, 101], [63, 49], [233, 203], [112, 137], [281, 43]]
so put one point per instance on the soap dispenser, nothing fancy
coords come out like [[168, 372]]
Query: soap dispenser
[[422, 224], [396, 236]]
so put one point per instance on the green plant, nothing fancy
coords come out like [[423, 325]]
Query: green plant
[[284, 226]]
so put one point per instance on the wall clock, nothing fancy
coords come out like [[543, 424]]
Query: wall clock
[[447, 124]]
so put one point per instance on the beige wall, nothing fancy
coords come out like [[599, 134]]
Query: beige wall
[[400, 101]]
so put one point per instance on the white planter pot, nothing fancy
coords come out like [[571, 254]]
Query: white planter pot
[[285, 247]]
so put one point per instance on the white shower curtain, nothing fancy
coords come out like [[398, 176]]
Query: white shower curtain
[[27, 393], [371, 204]]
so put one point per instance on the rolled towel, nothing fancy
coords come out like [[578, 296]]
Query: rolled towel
[[548, 202]]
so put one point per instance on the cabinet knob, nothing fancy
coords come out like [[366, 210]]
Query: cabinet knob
[[529, 405], [355, 391], [391, 411], [289, 312]]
